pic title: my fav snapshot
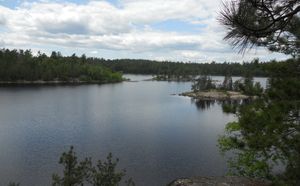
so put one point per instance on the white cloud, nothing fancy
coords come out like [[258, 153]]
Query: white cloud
[[126, 27]]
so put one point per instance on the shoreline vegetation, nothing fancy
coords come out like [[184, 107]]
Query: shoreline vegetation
[[167, 70], [55, 82], [21, 67]]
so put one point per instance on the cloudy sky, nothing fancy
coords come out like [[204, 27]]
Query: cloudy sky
[[177, 30]]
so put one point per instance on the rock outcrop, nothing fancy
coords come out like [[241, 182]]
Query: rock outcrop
[[216, 95], [219, 181]]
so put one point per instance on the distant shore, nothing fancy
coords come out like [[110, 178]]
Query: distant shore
[[43, 82], [215, 95]]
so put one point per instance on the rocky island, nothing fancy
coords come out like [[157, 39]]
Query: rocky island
[[215, 94], [204, 88], [219, 181]]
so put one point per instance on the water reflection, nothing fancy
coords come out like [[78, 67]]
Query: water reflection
[[157, 137], [203, 104], [231, 102], [225, 104]]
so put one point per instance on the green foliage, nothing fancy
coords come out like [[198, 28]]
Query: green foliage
[[253, 165], [232, 127], [267, 132], [79, 173], [74, 173], [229, 108], [227, 83], [248, 87], [105, 174], [83, 172], [23, 66], [203, 83], [272, 23], [167, 70], [244, 85]]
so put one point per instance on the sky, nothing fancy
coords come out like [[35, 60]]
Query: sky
[[173, 30]]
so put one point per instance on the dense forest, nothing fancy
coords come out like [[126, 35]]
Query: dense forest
[[20, 65], [179, 68]]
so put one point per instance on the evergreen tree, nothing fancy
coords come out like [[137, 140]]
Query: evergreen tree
[[227, 83], [203, 83], [23, 66], [267, 131], [83, 172], [274, 24]]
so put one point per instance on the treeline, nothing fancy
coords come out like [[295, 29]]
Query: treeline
[[133, 66], [21, 65]]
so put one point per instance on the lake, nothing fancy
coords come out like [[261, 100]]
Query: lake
[[157, 136]]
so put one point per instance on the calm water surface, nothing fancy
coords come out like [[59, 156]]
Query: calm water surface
[[157, 136]]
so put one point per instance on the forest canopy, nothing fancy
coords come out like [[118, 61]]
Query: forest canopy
[[133, 66], [20, 65]]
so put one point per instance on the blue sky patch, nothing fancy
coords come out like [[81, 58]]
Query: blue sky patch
[[178, 26]]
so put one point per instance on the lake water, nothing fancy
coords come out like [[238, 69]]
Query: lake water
[[157, 136]]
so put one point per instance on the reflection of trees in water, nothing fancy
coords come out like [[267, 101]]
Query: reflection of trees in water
[[206, 104], [231, 106], [230, 102], [203, 104]]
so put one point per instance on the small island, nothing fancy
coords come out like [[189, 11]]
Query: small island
[[204, 88], [215, 94], [173, 77]]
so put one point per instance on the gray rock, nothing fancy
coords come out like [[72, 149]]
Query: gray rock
[[219, 181]]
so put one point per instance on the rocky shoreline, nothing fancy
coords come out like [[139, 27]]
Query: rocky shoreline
[[219, 181], [216, 95]]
